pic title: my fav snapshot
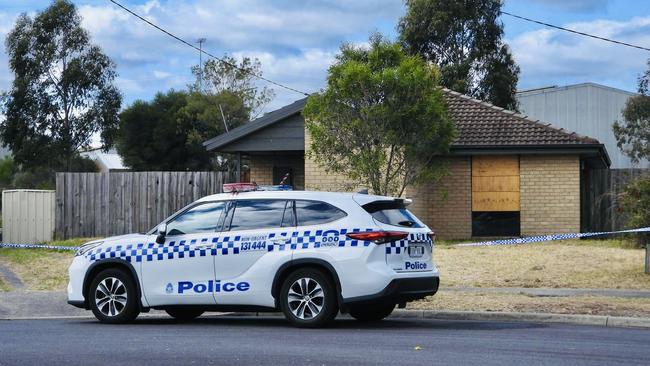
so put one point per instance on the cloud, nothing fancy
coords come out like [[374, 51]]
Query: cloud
[[305, 70], [6, 24], [549, 56], [295, 41], [576, 6]]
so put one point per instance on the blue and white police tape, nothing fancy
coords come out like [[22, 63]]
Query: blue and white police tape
[[513, 241], [541, 238], [37, 246]]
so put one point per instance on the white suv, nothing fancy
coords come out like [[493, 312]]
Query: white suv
[[308, 254]]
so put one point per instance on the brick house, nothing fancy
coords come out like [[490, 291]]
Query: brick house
[[508, 175]]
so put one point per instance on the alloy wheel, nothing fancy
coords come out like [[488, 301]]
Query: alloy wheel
[[110, 296], [306, 298]]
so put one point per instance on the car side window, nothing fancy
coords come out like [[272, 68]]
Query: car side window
[[316, 212], [202, 218], [257, 214]]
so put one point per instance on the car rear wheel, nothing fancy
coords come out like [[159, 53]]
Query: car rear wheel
[[308, 298], [184, 314], [113, 297], [372, 312]]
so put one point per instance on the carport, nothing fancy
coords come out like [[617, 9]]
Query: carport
[[268, 148]]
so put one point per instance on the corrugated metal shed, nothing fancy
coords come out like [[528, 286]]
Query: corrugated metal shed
[[588, 109], [109, 161], [27, 216]]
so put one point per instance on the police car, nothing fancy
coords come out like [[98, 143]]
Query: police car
[[307, 254]]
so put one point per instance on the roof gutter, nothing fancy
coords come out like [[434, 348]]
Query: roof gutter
[[588, 150]]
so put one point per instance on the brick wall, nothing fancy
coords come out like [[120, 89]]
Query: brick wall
[[549, 184], [317, 179], [446, 207], [550, 194], [261, 168]]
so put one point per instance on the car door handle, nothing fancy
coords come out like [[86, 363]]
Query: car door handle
[[280, 241], [204, 246]]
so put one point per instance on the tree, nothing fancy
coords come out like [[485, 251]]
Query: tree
[[6, 172], [633, 132], [464, 38], [633, 139], [236, 78], [168, 132], [381, 121], [635, 204], [62, 93]]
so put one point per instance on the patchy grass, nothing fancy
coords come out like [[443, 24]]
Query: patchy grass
[[571, 263], [4, 286], [589, 305], [41, 269]]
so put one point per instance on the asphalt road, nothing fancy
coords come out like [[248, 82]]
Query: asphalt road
[[270, 341]]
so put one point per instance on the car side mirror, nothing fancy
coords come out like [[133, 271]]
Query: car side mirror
[[162, 232]]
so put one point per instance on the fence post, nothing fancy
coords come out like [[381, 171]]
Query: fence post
[[647, 258]]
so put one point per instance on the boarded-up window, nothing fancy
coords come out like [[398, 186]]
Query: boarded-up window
[[495, 183], [495, 196]]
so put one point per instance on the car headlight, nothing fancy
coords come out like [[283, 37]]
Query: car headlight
[[85, 248]]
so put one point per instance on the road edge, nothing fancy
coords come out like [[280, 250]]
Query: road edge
[[598, 320], [501, 316]]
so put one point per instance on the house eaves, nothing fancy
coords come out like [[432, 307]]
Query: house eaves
[[267, 120]]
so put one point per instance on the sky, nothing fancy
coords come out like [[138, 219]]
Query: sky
[[296, 41]]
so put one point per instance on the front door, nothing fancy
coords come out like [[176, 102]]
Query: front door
[[181, 270], [253, 228]]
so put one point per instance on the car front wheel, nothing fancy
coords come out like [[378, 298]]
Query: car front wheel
[[113, 297], [308, 298]]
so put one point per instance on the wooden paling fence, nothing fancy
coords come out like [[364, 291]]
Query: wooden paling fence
[[600, 200], [104, 204]]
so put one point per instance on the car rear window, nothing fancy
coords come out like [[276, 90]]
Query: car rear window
[[392, 213], [316, 212]]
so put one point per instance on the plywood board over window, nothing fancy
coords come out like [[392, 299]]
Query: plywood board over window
[[495, 183]]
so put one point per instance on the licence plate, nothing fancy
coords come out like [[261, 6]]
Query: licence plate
[[416, 251]]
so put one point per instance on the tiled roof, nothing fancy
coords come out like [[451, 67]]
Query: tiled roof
[[483, 124], [479, 124]]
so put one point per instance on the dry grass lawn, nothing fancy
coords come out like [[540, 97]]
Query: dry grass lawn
[[590, 305], [3, 285], [571, 263], [41, 269]]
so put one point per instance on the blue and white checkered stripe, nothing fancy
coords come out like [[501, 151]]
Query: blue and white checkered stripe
[[541, 238], [225, 245], [399, 246]]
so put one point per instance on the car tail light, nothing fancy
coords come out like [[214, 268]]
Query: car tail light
[[379, 237], [432, 236]]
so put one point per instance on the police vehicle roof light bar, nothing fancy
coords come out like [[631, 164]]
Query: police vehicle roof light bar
[[250, 187]]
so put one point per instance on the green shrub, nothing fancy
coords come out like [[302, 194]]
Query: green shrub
[[635, 204]]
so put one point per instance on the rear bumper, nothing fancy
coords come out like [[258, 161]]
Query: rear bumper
[[399, 291]]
